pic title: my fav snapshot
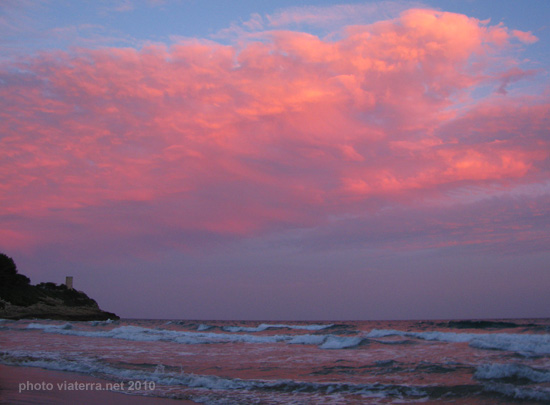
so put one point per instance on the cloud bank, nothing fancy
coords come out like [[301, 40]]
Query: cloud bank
[[413, 132]]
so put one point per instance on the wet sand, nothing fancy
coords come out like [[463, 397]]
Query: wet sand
[[16, 379]]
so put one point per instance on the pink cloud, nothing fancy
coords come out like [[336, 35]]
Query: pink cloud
[[525, 37], [282, 133]]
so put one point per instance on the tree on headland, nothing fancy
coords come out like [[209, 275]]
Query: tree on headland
[[8, 273], [15, 287]]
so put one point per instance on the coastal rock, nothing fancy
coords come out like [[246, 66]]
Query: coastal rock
[[21, 300], [54, 309]]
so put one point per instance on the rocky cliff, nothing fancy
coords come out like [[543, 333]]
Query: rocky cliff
[[19, 299]]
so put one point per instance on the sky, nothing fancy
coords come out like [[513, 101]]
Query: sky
[[288, 160]]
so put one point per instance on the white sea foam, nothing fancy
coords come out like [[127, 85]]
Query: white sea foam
[[91, 366], [341, 342], [438, 336], [265, 326], [215, 384], [102, 323], [48, 327], [526, 344], [523, 344], [527, 394], [138, 333], [307, 339], [503, 371]]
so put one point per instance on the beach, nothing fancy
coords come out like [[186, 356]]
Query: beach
[[16, 383]]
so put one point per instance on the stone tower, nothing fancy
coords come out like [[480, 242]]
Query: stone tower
[[69, 282]]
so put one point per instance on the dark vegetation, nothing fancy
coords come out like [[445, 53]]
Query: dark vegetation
[[71, 298], [17, 289]]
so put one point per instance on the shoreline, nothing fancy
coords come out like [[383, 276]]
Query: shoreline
[[16, 384]]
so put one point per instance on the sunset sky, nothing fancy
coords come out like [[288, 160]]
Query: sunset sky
[[280, 159]]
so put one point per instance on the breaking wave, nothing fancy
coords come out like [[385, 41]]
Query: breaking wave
[[525, 344], [137, 333], [342, 342], [497, 371], [265, 326], [48, 327], [220, 386], [520, 393], [160, 376]]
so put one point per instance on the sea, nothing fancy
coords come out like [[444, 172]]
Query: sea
[[252, 362]]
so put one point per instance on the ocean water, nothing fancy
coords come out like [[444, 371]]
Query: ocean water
[[224, 362]]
